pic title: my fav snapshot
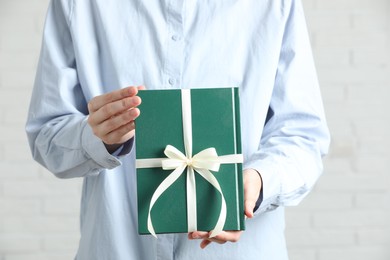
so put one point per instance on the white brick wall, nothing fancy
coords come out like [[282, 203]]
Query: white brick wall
[[38, 213], [348, 212], [345, 217]]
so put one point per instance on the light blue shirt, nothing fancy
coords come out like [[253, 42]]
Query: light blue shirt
[[91, 47]]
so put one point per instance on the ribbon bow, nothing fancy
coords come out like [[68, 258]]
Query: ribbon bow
[[206, 159]]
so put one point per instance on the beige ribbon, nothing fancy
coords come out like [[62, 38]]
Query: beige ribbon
[[202, 163]]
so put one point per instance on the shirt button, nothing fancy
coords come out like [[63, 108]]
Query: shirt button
[[175, 37], [171, 81], [111, 161]]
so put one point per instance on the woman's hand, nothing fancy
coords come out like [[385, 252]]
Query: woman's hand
[[252, 187], [112, 115]]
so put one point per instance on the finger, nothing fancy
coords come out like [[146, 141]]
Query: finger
[[120, 135], [227, 236], [251, 196], [97, 102], [141, 87], [252, 186], [249, 206], [223, 237], [116, 122], [230, 236], [198, 235], [114, 108], [205, 243]]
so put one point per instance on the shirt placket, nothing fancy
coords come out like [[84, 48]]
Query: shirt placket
[[172, 79], [175, 45]]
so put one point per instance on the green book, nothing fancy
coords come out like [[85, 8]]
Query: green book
[[214, 121]]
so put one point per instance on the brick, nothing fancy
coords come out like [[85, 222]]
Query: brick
[[296, 217], [60, 243], [25, 170], [357, 183], [42, 188], [20, 207], [342, 40], [20, 78], [61, 207], [40, 256], [16, 22], [13, 98], [309, 5], [373, 200], [372, 237], [338, 119], [24, 6], [331, 58], [17, 60], [370, 58], [337, 166], [378, 164], [17, 42], [12, 134], [333, 92], [353, 5], [368, 76], [372, 148], [343, 145], [369, 127], [322, 20], [327, 201], [324, 238], [362, 94], [41, 225], [350, 218], [354, 252], [19, 243], [297, 253], [2, 115], [16, 117], [17, 152], [2, 152], [371, 20]]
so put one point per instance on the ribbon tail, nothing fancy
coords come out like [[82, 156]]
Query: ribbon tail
[[231, 158], [222, 215], [164, 185], [149, 163], [191, 201]]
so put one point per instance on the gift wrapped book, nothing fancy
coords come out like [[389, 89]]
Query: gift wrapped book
[[188, 149]]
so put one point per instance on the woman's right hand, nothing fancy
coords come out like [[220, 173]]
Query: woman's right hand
[[112, 115]]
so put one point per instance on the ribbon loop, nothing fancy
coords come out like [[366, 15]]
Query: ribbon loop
[[207, 159], [173, 153]]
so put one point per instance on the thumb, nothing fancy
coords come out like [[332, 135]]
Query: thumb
[[252, 187], [248, 208]]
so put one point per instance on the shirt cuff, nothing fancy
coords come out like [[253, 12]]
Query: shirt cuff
[[270, 187], [96, 150], [124, 149]]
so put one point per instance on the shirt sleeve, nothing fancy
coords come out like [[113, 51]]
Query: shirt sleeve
[[59, 135], [295, 136]]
